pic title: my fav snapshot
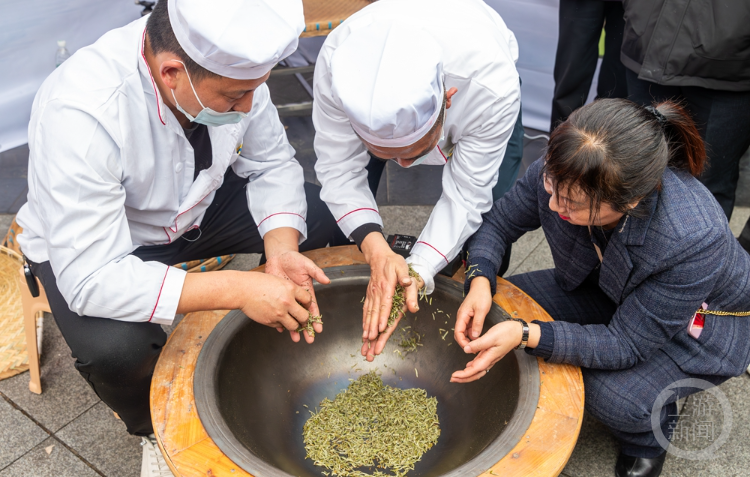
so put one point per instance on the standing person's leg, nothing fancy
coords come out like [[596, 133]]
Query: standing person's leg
[[116, 358], [646, 93], [612, 82], [580, 24], [723, 119]]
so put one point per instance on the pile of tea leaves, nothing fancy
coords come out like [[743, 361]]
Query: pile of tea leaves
[[370, 424]]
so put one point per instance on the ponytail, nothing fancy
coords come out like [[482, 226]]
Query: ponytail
[[686, 148]]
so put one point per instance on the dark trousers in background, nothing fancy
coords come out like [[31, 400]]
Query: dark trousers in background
[[117, 358], [621, 399], [581, 23], [508, 174], [723, 119]]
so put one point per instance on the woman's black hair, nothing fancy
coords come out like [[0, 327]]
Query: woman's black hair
[[161, 38], [615, 151]]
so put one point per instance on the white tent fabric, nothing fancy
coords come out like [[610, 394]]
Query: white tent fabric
[[31, 28], [534, 22], [28, 44]]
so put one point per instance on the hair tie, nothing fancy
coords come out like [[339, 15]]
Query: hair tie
[[663, 121]]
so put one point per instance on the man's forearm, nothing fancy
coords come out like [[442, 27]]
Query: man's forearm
[[374, 244], [281, 240], [213, 291]]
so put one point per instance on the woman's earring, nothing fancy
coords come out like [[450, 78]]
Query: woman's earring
[[627, 216]]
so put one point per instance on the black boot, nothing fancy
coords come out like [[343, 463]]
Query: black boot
[[744, 238], [639, 466]]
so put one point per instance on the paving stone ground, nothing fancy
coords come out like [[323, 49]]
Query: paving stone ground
[[85, 439]]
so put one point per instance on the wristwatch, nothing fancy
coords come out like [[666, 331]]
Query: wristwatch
[[525, 337]]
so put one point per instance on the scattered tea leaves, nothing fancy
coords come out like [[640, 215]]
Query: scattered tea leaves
[[371, 425]]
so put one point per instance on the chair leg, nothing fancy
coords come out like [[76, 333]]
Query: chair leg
[[30, 312]]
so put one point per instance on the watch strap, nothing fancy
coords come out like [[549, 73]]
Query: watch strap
[[525, 336]]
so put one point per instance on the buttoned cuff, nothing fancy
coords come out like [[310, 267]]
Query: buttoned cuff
[[546, 341], [481, 267], [363, 231], [283, 219], [169, 296]]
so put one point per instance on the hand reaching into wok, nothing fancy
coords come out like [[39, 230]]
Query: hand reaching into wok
[[493, 345], [387, 269]]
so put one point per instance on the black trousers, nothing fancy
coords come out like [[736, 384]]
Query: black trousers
[[723, 119], [581, 23], [623, 400], [117, 358]]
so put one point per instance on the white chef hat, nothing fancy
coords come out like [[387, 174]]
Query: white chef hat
[[240, 39], [389, 79]]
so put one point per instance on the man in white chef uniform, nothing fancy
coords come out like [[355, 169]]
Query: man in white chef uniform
[[156, 145], [417, 82]]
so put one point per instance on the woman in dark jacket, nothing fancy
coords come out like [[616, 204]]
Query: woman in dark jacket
[[639, 246]]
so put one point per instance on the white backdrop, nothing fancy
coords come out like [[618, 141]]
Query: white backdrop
[[534, 22], [29, 30]]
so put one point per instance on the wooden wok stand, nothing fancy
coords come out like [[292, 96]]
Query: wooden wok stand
[[543, 451]]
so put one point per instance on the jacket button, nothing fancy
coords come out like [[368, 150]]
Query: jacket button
[[178, 167]]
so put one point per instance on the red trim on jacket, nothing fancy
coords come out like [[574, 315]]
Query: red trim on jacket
[[151, 77], [159, 296], [281, 213], [438, 251], [357, 210]]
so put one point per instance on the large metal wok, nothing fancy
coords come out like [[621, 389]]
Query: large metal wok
[[251, 383]]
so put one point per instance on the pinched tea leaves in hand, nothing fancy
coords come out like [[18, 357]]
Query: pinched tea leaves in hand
[[370, 424], [399, 299], [308, 326]]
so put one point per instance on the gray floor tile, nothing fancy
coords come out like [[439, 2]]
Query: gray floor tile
[[523, 248], [65, 394], [102, 440], [739, 217], [59, 462], [407, 220], [10, 192], [14, 163], [703, 413], [243, 262], [18, 434], [595, 452], [413, 186], [5, 221], [539, 259]]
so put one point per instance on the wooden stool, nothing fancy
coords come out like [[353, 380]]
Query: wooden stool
[[189, 451]]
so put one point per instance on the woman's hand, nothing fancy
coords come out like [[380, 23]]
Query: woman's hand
[[472, 312], [301, 271], [491, 348]]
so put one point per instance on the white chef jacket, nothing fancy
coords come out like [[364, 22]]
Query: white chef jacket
[[479, 55], [111, 170]]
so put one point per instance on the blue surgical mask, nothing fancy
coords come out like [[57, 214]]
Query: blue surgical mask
[[208, 116]]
